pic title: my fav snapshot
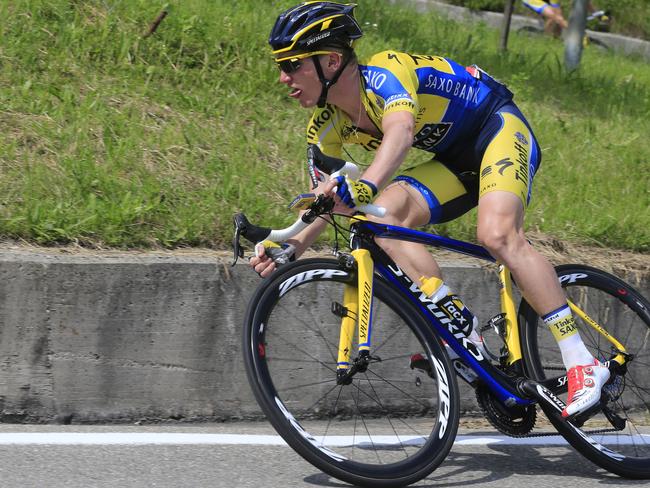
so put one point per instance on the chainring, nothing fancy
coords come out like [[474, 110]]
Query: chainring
[[513, 422]]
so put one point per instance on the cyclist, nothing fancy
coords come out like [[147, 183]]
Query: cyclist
[[485, 154], [554, 21]]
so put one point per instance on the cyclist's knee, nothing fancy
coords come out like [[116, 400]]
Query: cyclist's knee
[[501, 241], [403, 206]]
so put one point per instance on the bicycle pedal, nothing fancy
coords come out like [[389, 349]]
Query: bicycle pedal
[[579, 419]]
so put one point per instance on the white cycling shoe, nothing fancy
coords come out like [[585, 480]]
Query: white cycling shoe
[[585, 385]]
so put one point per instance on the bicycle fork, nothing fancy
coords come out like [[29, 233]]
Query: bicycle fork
[[356, 309]]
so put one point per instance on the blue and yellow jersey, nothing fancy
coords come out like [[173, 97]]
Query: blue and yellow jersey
[[449, 102], [538, 6]]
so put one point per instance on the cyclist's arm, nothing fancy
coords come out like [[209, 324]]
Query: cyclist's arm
[[398, 128], [302, 241]]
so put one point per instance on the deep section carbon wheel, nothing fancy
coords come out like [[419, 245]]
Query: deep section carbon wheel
[[619, 431], [386, 425]]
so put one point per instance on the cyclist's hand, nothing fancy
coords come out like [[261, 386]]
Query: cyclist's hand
[[354, 192], [269, 255]]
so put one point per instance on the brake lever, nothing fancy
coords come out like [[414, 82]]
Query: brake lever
[[238, 250]]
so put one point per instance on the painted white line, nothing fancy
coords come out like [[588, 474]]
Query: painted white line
[[162, 438]]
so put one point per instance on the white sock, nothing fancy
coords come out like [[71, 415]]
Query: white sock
[[563, 326]]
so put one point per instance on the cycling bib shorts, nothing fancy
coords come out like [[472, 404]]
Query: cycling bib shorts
[[505, 157]]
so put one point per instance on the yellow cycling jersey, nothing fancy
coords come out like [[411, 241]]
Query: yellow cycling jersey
[[449, 102]]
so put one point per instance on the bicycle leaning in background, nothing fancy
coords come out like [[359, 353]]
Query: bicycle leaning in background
[[357, 369]]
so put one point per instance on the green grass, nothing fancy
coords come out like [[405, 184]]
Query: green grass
[[110, 139]]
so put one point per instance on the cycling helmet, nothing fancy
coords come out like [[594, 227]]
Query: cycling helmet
[[311, 25]]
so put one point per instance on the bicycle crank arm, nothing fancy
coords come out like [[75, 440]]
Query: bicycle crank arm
[[532, 389]]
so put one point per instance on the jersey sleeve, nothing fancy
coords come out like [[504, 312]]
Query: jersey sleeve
[[390, 77]]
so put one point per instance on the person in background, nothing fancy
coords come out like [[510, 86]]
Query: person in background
[[554, 21]]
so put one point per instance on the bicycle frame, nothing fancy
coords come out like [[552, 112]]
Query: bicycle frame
[[370, 258]]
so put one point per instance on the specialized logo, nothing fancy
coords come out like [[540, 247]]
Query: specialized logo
[[318, 37], [504, 164], [431, 135], [306, 435], [555, 401], [366, 303], [310, 275]]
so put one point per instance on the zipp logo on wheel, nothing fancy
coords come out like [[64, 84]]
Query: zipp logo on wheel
[[572, 278], [310, 275]]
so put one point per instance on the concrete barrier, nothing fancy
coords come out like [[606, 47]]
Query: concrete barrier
[[131, 337]]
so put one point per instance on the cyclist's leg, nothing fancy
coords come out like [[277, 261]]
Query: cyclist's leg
[[554, 21], [427, 194], [507, 169]]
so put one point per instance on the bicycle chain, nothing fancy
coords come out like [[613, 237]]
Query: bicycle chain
[[547, 434]]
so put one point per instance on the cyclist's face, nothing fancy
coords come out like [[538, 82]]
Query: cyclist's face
[[303, 80]]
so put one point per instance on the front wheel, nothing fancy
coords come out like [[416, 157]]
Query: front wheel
[[621, 429], [390, 425]]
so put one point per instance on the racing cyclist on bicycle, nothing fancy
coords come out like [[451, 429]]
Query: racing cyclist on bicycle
[[554, 21], [485, 154]]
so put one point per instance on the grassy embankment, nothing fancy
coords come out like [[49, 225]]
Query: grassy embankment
[[110, 139]]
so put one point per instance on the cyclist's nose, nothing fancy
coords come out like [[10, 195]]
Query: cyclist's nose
[[284, 78]]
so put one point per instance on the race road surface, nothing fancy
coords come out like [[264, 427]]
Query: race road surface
[[252, 455]]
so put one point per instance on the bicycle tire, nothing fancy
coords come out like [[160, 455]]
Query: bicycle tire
[[625, 314], [402, 422]]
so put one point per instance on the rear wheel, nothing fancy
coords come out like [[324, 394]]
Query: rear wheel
[[391, 425], [621, 429]]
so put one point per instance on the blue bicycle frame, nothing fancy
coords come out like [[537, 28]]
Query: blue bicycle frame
[[502, 386]]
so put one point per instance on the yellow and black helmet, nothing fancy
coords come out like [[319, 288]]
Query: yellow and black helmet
[[312, 25]]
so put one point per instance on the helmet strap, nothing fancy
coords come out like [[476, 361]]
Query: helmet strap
[[327, 84]]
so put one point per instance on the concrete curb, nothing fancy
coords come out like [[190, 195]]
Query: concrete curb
[[123, 338], [622, 44]]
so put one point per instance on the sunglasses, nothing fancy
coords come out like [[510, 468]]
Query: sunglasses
[[289, 65], [293, 63]]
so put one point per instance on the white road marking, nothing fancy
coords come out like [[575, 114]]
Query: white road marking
[[162, 438]]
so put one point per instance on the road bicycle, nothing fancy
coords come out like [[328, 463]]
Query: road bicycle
[[357, 369]]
